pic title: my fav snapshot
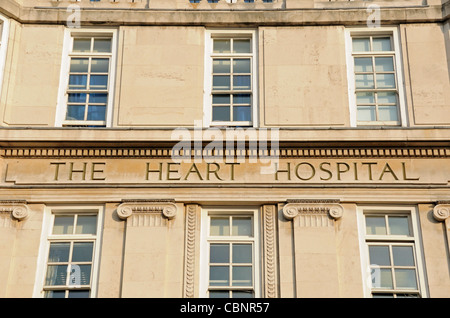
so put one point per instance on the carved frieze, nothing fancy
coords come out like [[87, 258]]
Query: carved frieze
[[167, 207], [441, 211], [18, 209], [315, 207]]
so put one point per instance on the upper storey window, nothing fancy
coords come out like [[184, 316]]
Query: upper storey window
[[88, 80], [375, 78]]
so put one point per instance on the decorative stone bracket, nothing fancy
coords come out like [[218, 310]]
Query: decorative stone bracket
[[18, 209], [128, 207], [441, 211], [295, 207]]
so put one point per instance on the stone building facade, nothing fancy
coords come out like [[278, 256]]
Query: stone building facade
[[230, 148]]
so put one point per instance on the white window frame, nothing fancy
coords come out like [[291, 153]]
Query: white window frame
[[4, 36], [47, 237], [414, 239], [207, 97], [61, 109], [375, 31], [205, 240]]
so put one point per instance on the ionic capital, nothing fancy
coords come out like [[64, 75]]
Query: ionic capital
[[296, 207], [167, 207], [442, 211], [18, 209]]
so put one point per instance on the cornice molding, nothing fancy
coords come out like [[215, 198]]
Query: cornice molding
[[128, 207], [294, 208], [441, 211], [18, 209]]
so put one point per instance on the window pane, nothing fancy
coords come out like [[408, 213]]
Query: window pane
[[98, 98], [365, 98], [375, 225], [102, 45], [243, 294], [242, 99], [242, 113], [100, 65], [79, 294], [75, 112], [79, 65], [82, 251], [381, 44], [77, 98], [222, 46], [384, 64], [96, 112], [80, 275], [221, 99], [385, 81], [363, 64], [385, 280], [242, 82], [63, 224], [387, 98], [361, 44], [242, 253], [399, 225], [221, 66], [383, 295], [241, 66], [77, 81], [82, 45], [99, 82], [59, 252], [219, 226], [403, 255], [242, 46], [55, 294], [221, 82], [379, 255], [366, 113], [86, 224], [364, 81], [242, 276], [219, 276], [405, 278], [242, 226], [219, 294], [221, 113], [387, 113], [56, 275], [219, 253]]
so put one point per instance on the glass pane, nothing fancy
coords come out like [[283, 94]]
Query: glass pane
[[100, 66], [384, 64], [219, 294], [379, 255], [96, 112], [375, 225], [75, 112], [82, 45], [219, 253], [242, 113], [221, 113], [242, 276], [405, 278], [99, 82], [79, 294], [385, 81], [82, 251], [365, 98], [366, 113], [55, 294], [399, 225], [221, 99], [242, 253], [63, 224], [98, 98], [59, 252], [219, 226], [77, 98], [219, 276], [363, 64], [364, 81], [242, 82], [79, 65], [222, 46], [242, 46], [242, 294], [241, 66], [385, 280], [387, 98], [387, 113], [80, 274], [56, 275], [361, 44], [383, 296], [381, 44], [242, 99], [242, 226], [86, 224], [221, 66], [221, 82], [102, 45], [403, 255], [77, 81]]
